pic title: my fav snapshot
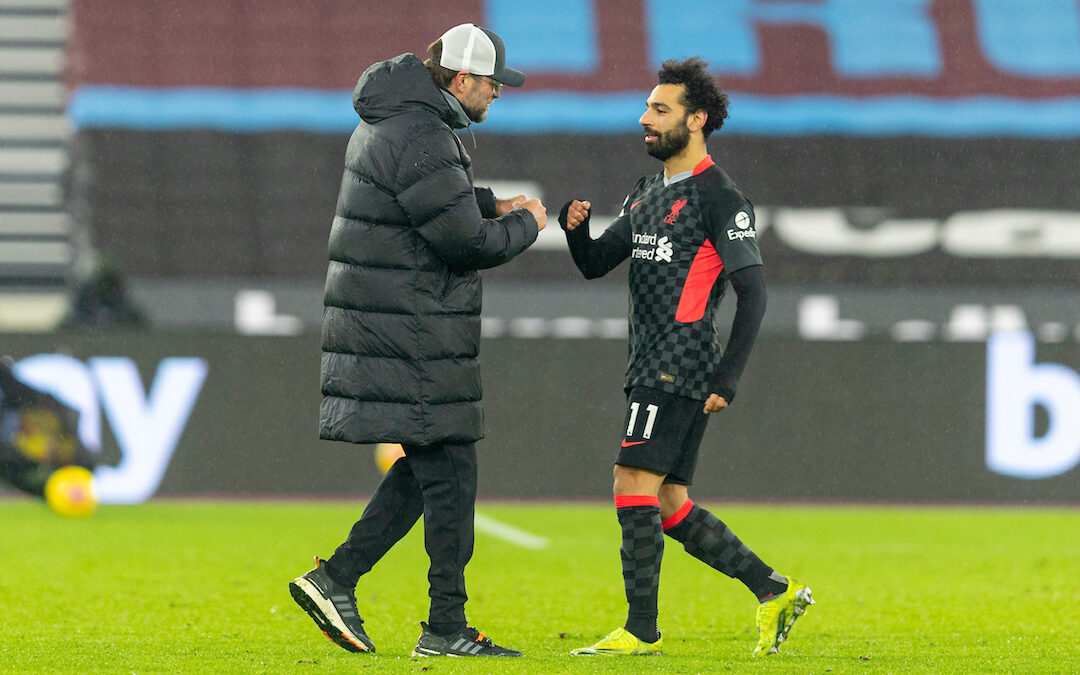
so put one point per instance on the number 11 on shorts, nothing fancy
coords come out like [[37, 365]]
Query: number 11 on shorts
[[651, 409]]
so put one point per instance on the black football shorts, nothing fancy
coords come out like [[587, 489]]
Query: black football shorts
[[662, 433]]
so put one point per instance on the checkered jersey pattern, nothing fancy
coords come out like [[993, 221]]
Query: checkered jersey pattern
[[667, 227]]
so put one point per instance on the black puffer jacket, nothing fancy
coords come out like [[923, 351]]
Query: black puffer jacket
[[401, 325]]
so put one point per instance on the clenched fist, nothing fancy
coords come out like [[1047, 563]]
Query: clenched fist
[[577, 213]]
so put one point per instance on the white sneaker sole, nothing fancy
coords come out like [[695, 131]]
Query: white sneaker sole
[[325, 615]]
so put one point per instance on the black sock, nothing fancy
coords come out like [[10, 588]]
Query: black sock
[[337, 577], [446, 630], [708, 539], [641, 552]]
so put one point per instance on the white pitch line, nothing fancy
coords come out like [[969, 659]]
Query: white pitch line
[[509, 533]]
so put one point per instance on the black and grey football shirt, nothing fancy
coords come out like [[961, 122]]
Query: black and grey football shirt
[[684, 239]]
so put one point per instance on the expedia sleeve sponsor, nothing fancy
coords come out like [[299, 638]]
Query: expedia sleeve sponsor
[[736, 242]]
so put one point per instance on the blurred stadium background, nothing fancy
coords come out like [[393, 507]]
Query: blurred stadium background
[[913, 163]]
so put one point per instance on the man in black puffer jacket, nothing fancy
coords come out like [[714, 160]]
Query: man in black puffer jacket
[[401, 325]]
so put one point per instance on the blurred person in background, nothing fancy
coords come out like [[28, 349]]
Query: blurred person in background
[[37, 435], [100, 300], [401, 328], [688, 232]]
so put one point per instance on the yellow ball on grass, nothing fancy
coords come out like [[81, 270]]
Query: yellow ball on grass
[[70, 491]]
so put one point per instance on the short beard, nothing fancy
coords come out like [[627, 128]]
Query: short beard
[[670, 144], [475, 114]]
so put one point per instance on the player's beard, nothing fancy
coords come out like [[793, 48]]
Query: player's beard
[[670, 143]]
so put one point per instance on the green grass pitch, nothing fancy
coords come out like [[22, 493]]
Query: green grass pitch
[[201, 587]]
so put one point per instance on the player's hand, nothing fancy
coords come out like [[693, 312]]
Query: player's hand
[[505, 206], [536, 208], [577, 213], [715, 403]]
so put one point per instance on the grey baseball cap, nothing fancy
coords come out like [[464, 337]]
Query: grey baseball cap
[[476, 50]]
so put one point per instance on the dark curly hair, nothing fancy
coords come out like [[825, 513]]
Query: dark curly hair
[[702, 92]]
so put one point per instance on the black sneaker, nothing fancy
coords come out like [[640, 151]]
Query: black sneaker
[[469, 642], [333, 607]]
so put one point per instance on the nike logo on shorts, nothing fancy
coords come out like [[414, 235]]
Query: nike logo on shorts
[[627, 444]]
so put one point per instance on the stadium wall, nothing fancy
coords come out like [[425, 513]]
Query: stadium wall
[[897, 210], [222, 415], [211, 133]]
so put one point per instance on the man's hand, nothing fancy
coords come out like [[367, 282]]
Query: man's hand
[[576, 214], [715, 403], [534, 207], [505, 206]]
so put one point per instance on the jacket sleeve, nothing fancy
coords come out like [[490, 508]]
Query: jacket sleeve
[[485, 199], [436, 193]]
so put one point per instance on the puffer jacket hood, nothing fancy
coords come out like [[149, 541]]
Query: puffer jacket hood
[[397, 86]]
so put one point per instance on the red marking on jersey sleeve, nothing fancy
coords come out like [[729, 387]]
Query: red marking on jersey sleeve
[[704, 164], [622, 501], [635, 204], [699, 282], [627, 444]]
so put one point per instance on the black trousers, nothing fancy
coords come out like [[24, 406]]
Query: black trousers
[[438, 481]]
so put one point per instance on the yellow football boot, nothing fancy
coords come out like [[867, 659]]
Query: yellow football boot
[[775, 617], [621, 642]]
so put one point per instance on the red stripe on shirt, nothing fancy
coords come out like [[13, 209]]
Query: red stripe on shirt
[[704, 164], [678, 516], [699, 282], [622, 501]]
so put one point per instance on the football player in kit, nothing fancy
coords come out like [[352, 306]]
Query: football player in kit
[[688, 233]]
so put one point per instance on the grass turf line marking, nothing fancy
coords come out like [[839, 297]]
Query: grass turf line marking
[[489, 525]]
